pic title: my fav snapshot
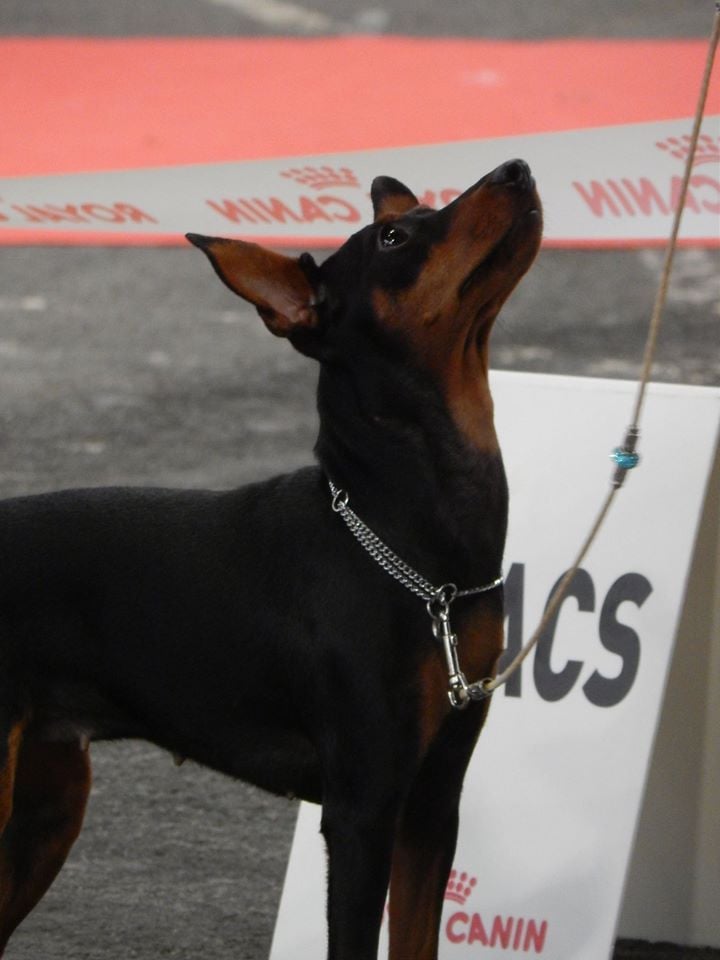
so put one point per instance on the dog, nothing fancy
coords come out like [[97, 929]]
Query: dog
[[290, 633]]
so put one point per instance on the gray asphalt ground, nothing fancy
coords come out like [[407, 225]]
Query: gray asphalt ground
[[135, 366]]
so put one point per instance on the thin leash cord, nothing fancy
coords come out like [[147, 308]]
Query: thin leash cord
[[672, 242], [626, 457]]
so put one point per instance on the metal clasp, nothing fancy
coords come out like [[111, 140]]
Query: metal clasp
[[439, 609], [439, 604]]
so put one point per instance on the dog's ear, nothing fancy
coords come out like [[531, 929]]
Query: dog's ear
[[391, 198], [276, 285]]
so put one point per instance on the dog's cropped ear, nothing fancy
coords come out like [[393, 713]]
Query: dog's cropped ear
[[277, 285], [390, 198]]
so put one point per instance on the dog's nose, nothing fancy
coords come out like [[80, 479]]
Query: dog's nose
[[512, 173]]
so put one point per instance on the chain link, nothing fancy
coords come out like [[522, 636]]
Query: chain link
[[389, 561]]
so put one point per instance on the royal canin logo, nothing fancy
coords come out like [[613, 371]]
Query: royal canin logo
[[459, 887], [101, 214], [508, 933], [323, 204], [322, 178], [328, 201], [707, 150], [648, 196]]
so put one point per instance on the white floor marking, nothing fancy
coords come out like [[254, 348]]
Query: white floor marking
[[279, 13]]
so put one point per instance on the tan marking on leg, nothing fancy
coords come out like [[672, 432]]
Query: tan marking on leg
[[52, 784], [7, 774], [415, 903]]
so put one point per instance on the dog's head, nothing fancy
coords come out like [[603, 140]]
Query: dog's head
[[417, 288]]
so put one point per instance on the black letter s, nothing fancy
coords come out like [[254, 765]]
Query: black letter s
[[620, 639]]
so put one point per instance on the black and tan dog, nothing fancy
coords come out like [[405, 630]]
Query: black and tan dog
[[249, 630]]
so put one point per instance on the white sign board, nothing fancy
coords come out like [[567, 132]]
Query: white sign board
[[603, 186], [554, 789]]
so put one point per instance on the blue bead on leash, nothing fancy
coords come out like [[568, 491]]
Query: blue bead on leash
[[625, 457]]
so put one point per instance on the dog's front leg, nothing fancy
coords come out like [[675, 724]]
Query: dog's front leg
[[359, 833], [425, 839], [422, 858]]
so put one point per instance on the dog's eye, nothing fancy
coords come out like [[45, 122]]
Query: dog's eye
[[391, 236]]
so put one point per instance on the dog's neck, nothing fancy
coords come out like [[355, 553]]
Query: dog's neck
[[440, 502]]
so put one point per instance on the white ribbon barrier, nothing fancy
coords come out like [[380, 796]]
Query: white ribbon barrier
[[604, 186]]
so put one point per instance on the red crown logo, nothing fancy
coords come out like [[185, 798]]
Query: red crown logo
[[459, 886], [322, 178], [708, 148]]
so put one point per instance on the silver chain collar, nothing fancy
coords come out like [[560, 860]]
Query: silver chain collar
[[437, 599]]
